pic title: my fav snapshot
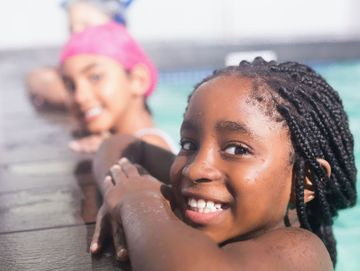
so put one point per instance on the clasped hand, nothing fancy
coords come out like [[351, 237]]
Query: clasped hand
[[88, 144], [124, 182]]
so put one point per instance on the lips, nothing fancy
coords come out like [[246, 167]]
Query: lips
[[92, 113], [203, 211], [204, 206]]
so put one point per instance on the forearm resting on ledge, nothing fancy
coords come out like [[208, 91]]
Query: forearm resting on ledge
[[155, 160]]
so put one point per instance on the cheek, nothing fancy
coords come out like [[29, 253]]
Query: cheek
[[109, 88], [115, 94], [276, 185], [263, 180]]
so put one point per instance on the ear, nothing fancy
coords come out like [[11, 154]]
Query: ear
[[140, 79], [309, 193]]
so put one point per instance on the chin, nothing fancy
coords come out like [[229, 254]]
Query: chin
[[98, 129], [217, 238]]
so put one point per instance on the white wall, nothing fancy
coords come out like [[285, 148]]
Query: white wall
[[30, 23]]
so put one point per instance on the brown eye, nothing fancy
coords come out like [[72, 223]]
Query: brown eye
[[236, 150], [187, 145]]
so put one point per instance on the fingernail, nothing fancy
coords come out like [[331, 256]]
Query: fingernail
[[108, 179], [123, 160], [122, 254], [73, 145], [93, 247]]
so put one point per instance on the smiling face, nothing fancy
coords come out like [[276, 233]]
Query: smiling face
[[100, 91], [232, 176]]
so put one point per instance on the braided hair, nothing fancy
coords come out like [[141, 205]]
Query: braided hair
[[318, 125]]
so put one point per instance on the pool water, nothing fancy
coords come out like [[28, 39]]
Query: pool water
[[169, 101]]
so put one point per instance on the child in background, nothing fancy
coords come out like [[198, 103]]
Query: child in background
[[109, 78], [44, 84], [85, 13], [266, 162]]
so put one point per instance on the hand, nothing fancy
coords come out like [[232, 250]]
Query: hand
[[88, 144], [105, 225], [126, 182]]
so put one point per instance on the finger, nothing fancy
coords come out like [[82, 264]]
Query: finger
[[108, 183], [105, 135], [74, 146], [117, 174], [119, 241], [101, 228], [128, 168]]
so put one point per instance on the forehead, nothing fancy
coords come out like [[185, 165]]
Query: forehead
[[231, 98], [221, 92], [78, 63]]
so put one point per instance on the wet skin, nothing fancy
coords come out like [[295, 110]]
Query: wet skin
[[235, 155], [238, 158], [100, 91]]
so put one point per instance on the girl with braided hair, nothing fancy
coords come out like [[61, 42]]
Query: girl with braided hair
[[266, 162]]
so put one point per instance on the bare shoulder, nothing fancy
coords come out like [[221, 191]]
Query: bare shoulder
[[283, 249]]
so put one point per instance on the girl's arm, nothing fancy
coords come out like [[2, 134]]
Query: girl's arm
[[154, 159], [157, 161]]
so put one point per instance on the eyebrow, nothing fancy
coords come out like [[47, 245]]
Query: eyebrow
[[187, 125], [221, 127], [83, 70], [232, 126], [89, 67]]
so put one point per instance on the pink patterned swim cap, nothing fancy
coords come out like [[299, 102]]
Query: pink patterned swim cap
[[111, 40]]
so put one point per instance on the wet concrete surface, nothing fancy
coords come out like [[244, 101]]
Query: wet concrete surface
[[47, 206]]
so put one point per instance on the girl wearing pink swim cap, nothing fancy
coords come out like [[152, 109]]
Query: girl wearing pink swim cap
[[43, 84], [109, 78]]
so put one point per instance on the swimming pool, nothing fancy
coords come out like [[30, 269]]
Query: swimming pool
[[169, 101]]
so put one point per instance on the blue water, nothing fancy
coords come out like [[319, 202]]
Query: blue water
[[169, 101]]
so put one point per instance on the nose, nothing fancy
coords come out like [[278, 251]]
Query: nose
[[82, 94], [203, 167]]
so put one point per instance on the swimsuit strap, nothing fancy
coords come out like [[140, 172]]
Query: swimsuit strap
[[159, 133]]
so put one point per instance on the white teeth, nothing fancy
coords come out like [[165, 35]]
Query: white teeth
[[201, 203], [192, 203], [93, 111], [210, 204], [203, 206]]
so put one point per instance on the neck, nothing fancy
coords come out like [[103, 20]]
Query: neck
[[135, 118]]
